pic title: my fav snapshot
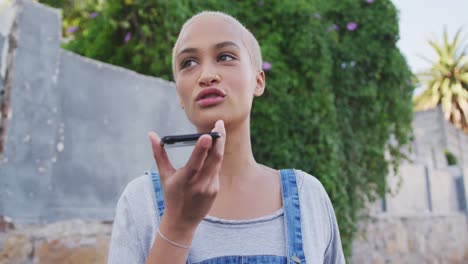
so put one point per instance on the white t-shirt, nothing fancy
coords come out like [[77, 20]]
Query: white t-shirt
[[136, 222]]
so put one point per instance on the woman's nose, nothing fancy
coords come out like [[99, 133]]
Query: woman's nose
[[208, 77]]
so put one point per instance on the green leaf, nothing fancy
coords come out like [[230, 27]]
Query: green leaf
[[146, 30], [125, 24]]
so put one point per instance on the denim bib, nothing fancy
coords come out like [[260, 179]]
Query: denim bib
[[292, 225]]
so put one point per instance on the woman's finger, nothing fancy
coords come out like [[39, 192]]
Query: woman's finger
[[165, 167], [216, 154], [199, 153]]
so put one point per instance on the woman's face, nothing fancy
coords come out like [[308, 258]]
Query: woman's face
[[214, 74]]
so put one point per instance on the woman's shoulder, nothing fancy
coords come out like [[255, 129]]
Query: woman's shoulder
[[138, 195], [138, 201], [312, 194], [138, 186], [309, 183], [319, 226], [135, 222]]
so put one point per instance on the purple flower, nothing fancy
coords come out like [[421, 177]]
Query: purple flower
[[128, 37], [370, 1], [266, 66], [333, 27], [352, 26], [72, 29], [93, 15]]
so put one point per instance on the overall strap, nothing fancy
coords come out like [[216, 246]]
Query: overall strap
[[292, 217], [158, 193]]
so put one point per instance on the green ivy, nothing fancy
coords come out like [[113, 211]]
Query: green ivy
[[451, 159], [338, 98]]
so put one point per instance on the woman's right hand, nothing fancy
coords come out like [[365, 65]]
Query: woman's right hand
[[190, 191]]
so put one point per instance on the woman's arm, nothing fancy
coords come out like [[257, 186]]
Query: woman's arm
[[334, 252], [164, 251], [125, 246], [189, 193]]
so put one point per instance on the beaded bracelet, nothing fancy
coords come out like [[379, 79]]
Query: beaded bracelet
[[172, 242]]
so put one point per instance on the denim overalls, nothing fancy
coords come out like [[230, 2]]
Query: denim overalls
[[292, 225]]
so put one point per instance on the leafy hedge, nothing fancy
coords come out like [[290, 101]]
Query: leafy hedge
[[338, 98]]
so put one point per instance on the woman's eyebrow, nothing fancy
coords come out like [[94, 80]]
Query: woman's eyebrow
[[217, 46], [187, 50]]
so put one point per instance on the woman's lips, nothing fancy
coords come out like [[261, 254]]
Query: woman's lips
[[210, 101], [210, 96]]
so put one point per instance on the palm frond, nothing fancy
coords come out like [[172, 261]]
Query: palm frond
[[447, 80]]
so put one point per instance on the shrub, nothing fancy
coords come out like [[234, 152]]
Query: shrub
[[451, 159]]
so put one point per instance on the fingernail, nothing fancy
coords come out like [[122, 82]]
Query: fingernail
[[205, 143], [152, 137]]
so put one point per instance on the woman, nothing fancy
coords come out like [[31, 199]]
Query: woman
[[222, 206]]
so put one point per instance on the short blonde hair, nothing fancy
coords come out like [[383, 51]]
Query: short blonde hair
[[248, 38]]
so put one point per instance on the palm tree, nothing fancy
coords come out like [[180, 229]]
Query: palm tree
[[446, 82]]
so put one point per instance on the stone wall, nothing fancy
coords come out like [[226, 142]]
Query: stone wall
[[418, 238], [68, 242], [385, 238]]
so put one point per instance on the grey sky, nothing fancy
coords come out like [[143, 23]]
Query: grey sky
[[421, 20]]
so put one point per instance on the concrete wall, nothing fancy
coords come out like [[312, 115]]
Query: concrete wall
[[409, 193], [429, 138], [433, 135], [421, 189], [78, 128], [444, 192]]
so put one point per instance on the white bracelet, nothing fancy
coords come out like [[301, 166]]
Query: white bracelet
[[172, 242]]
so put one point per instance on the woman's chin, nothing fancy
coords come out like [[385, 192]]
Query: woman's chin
[[205, 124]]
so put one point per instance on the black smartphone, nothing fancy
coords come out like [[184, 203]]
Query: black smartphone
[[185, 140]]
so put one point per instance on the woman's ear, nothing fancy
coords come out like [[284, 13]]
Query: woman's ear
[[260, 83], [180, 100], [180, 103]]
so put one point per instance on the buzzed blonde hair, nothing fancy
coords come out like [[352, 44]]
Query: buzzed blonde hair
[[249, 40]]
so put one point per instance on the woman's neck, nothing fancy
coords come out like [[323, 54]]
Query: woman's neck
[[239, 165]]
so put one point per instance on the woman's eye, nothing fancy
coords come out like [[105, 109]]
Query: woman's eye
[[225, 57], [187, 63]]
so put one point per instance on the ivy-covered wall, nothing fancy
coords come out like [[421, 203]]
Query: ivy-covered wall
[[338, 89]]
